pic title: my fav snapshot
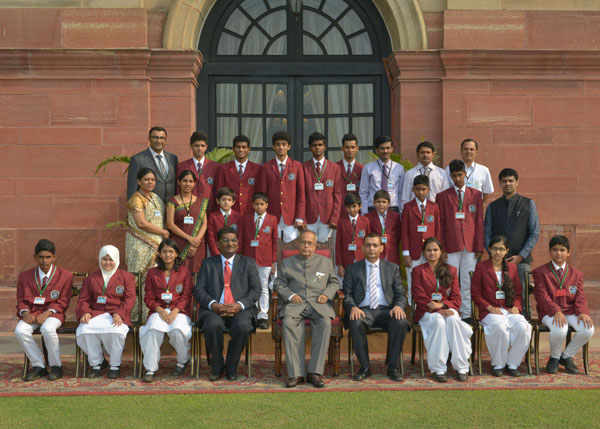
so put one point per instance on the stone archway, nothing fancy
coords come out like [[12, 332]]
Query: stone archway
[[403, 18]]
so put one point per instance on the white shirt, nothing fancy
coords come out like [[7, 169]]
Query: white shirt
[[346, 164], [162, 159], [556, 267], [197, 163], [355, 219], [438, 182], [370, 182], [381, 218], [243, 164], [260, 219], [381, 296], [478, 177], [222, 299], [284, 162]]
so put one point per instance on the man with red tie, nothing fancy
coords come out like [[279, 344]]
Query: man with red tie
[[350, 168], [240, 175], [461, 210], [282, 179], [204, 169], [323, 190]]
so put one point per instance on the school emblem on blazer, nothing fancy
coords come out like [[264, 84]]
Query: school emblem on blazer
[[54, 294], [291, 177], [234, 226], [120, 290], [210, 180], [472, 208], [251, 181], [430, 218], [179, 288], [329, 183], [267, 229], [572, 290], [361, 233]]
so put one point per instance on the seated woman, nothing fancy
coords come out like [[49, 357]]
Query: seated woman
[[496, 290], [436, 294], [104, 309], [186, 219], [169, 300]]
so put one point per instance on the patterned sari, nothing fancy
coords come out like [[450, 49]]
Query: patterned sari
[[198, 211]]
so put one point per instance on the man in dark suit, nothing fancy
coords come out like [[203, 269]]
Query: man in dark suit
[[163, 163], [374, 297], [227, 289]]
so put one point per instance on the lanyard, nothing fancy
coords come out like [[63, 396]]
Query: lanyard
[[104, 287], [167, 279], [498, 283], [37, 281], [318, 176], [354, 228], [189, 206], [560, 281], [257, 227], [437, 285], [226, 218], [381, 165], [472, 172], [149, 199], [462, 198], [423, 216], [383, 224]]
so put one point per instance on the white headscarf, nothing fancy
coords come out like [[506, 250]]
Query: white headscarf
[[113, 252]]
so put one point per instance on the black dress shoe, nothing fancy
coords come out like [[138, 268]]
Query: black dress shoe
[[513, 372], [114, 373], [232, 377], [569, 365], [363, 374], [35, 373], [56, 372], [552, 366], [94, 373], [394, 374], [440, 378], [497, 372], [263, 324], [462, 376], [315, 380], [215, 377], [148, 378], [178, 370], [294, 381]]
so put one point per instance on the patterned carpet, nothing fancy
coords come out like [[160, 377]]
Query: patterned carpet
[[264, 380]]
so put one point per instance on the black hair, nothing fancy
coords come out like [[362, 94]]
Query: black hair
[[381, 140], [421, 179], [161, 129], [507, 284], [382, 194], [45, 245], [559, 240], [467, 141], [260, 196], [315, 137], [427, 145], [225, 191], [240, 139], [198, 136], [186, 173], [171, 243], [226, 230], [456, 165], [348, 138], [351, 199], [442, 270], [282, 135], [372, 235], [143, 171], [507, 172]]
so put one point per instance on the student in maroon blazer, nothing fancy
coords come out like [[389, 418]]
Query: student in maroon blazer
[[323, 190], [240, 175], [416, 226], [43, 296], [437, 298], [349, 240], [496, 290], [224, 216], [462, 229], [104, 311], [204, 169], [561, 303], [285, 189], [390, 234], [350, 168], [258, 240]]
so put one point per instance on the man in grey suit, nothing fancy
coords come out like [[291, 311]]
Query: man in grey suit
[[163, 163], [374, 297], [307, 284], [227, 289]]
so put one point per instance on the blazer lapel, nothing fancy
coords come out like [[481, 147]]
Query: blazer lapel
[[430, 275], [363, 275], [219, 268]]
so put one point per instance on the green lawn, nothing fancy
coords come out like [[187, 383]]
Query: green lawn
[[464, 409]]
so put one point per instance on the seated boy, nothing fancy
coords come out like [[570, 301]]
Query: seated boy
[[224, 216], [352, 230], [561, 303], [386, 223]]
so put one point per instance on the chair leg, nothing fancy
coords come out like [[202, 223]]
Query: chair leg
[[336, 357], [77, 360], [278, 357], [387, 350], [25, 366], [351, 355], [330, 352], [479, 348], [401, 363], [537, 350], [193, 352], [207, 353], [586, 358], [529, 370], [249, 355], [414, 346], [198, 354], [85, 365], [421, 354]]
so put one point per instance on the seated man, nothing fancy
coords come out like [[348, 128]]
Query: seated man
[[43, 296], [227, 290], [307, 284], [374, 297]]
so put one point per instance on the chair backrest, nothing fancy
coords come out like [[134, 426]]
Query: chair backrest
[[529, 290], [139, 287], [285, 250], [77, 286]]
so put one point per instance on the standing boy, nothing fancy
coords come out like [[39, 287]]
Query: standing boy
[[350, 168], [386, 224], [224, 216], [352, 231]]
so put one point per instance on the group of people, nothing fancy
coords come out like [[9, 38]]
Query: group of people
[[221, 224]]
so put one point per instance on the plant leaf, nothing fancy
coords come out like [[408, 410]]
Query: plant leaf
[[117, 158]]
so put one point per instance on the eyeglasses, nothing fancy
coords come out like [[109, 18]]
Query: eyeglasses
[[497, 249], [229, 240], [158, 137]]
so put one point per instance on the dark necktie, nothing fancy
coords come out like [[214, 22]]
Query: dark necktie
[[422, 208], [241, 171], [281, 168], [226, 217], [199, 169], [349, 170], [45, 280], [560, 273], [161, 166], [384, 178], [318, 169], [353, 224], [460, 198], [228, 296]]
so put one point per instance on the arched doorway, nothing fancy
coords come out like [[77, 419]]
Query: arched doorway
[[316, 66]]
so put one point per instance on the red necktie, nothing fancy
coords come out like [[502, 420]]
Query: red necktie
[[45, 280], [559, 272], [228, 297], [318, 169], [422, 208], [353, 224], [281, 168], [199, 169], [349, 170], [241, 171], [460, 196]]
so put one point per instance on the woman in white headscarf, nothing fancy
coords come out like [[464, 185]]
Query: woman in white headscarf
[[104, 309]]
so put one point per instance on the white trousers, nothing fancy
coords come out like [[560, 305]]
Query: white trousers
[[442, 335], [464, 262], [151, 340], [290, 233], [263, 302], [416, 263], [98, 332], [321, 229], [24, 334], [507, 337], [558, 335]]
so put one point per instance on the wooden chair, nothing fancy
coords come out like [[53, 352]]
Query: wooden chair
[[68, 327], [538, 327], [285, 250]]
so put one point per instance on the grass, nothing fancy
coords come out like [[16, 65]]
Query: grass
[[464, 409]]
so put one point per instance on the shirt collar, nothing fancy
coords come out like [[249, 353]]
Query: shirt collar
[[355, 218], [223, 259], [243, 164], [199, 162], [41, 274], [556, 267], [224, 213], [462, 189], [322, 162], [419, 203], [346, 164], [375, 263], [256, 216], [381, 215], [156, 153], [284, 162]]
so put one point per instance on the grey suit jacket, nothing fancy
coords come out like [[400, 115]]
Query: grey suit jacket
[[165, 186], [245, 283], [355, 284], [307, 278]]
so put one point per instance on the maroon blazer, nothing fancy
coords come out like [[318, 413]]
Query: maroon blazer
[[484, 287], [392, 232], [57, 294], [286, 194], [459, 234], [354, 177], [120, 295], [327, 203], [424, 284], [343, 256], [546, 285], [243, 187], [180, 286], [412, 240], [216, 221], [266, 252], [205, 183]]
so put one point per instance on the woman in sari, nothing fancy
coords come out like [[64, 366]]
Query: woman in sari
[[186, 219]]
